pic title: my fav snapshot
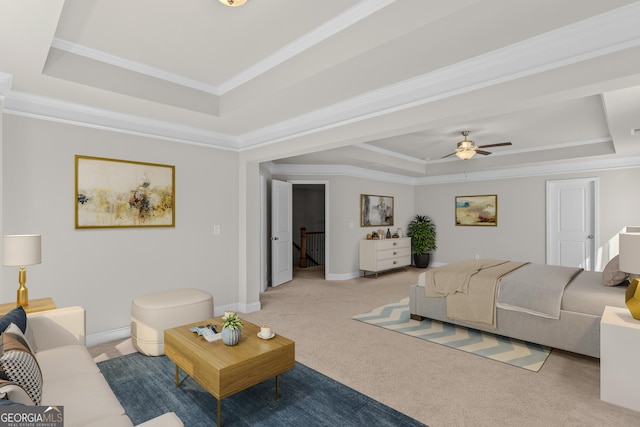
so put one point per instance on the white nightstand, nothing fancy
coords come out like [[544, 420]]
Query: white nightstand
[[620, 358]]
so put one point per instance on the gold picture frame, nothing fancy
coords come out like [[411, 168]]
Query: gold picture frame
[[477, 210], [376, 210], [111, 193]]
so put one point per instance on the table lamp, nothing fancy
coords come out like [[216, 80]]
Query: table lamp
[[19, 251], [629, 241]]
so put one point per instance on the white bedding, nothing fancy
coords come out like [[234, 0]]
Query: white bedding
[[535, 289], [577, 330], [585, 294]]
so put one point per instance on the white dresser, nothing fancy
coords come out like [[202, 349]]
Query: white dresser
[[385, 254]]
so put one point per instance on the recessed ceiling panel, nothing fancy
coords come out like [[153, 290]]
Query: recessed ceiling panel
[[199, 39]]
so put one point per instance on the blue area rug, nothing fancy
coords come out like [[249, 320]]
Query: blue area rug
[[396, 317], [146, 388]]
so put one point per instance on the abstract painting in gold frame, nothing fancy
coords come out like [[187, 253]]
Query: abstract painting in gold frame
[[375, 210], [113, 193], [477, 210]]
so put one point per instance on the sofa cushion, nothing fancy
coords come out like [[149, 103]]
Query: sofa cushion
[[66, 361], [19, 317], [18, 366], [16, 316], [86, 398]]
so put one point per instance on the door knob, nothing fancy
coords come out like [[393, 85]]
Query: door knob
[[590, 236], [274, 238]]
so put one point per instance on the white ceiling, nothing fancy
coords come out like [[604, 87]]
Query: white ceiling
[[380, 86]]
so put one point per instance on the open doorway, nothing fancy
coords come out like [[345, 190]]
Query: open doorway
[[309, 234]]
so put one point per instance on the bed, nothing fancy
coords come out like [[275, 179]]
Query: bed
[[554, 306]]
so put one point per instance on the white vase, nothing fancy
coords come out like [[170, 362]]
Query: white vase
[[231, 336]]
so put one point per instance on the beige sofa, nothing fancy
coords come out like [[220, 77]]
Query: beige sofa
[[70, 377]]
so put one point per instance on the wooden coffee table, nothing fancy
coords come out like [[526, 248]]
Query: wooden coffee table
[[225, 370]]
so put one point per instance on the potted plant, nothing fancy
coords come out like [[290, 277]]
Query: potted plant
[[231, 329], [422, 231]]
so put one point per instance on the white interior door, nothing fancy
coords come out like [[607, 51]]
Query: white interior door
[[281, 245], [571, 222]]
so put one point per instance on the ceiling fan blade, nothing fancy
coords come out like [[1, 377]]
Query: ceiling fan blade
[[484, 153], [448, 155], [494, 145]]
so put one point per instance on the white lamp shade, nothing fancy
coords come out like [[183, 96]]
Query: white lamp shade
[[629, 242], [21, 249]]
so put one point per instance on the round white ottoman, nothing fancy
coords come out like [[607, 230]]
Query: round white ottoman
[[151, 314]]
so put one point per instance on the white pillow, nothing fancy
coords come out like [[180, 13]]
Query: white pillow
[[18, 367], [611, 275]]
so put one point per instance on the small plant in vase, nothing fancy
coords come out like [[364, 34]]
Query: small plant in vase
[[231, 329]]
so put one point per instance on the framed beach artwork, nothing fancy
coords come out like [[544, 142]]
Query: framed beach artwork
[[121, 193], [477, 210], [375, 210]]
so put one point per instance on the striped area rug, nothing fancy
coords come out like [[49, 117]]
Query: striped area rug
[[396, 317]]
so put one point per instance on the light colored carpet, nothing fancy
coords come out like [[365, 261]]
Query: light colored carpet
[[396, 317], [436, 385]]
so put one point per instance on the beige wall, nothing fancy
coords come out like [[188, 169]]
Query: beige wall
[[520, 234], [344, 210], [104, 269]]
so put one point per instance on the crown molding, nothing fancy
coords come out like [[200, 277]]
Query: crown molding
[[610, 32], [508, 152], [351, 16], [337, 170], [600, 35], [136, 67], [65, 112], [41, 107], [606, 33], [561, 168]]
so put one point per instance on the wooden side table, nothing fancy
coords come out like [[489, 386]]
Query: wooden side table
[[34, 306]]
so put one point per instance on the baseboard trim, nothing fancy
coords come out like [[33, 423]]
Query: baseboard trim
[[125, 332], [345, 276], [238, 307], [108, 336]]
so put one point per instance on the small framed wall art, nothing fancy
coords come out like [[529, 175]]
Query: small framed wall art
[[375, 210], [477, 210], [121, 193]]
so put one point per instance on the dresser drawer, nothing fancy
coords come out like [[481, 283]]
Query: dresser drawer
[[388, 264], [385, 244], [393, 253]]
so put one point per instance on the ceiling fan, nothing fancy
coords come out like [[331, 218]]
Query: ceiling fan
[[467, 149]]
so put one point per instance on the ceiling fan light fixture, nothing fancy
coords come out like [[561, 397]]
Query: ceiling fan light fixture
[[466, 149], [233, 3], [465, 154], [465, 145]]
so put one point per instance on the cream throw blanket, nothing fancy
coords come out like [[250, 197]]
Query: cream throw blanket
[[470, 288]]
